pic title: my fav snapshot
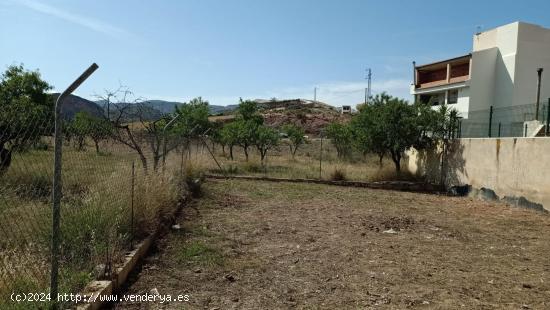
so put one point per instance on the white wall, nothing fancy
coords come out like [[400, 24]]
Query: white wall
[[462, 104], [533, 53], [482, 79]]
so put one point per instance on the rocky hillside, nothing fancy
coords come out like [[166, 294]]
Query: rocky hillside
[[310, 115]]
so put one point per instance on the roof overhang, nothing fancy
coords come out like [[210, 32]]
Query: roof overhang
[[443, 63]]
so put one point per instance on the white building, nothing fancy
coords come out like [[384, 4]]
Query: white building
[[501, 72]]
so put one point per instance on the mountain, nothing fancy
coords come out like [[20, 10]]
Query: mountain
[[220, 109], [162, 106], [165, 107], [74, 104]]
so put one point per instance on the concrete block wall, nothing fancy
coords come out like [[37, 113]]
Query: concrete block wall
[[509, 166]]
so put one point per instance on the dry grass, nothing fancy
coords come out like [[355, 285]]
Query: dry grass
[[308, 163], [95, 214], [310, 246]]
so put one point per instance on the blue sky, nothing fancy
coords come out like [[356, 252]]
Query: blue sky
[[223, 50]]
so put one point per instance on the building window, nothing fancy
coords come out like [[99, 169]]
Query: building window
[[453, 96]]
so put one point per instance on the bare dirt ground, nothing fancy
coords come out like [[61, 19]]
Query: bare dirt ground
[[261, 245]]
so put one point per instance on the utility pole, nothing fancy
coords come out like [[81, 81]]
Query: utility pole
[[368, 89], [315, 94]]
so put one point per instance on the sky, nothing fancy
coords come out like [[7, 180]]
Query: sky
[[226, 50]]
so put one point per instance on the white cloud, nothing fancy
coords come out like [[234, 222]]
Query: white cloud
[[90, 23]]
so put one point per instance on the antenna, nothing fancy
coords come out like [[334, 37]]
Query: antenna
[[478, 29], [368, 89]]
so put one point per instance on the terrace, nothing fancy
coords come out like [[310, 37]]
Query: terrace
[[442, 73]]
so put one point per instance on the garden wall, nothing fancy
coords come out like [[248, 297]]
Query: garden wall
[[509, 166]]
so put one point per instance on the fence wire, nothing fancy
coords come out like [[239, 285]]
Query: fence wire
[[117, 183]]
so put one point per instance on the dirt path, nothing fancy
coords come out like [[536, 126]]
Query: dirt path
[[255, 245]]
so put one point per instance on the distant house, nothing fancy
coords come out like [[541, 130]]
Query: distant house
[[501, 71], [346, 109]]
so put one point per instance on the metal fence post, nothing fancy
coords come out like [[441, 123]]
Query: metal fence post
[[499, 127], [547, 117], [132, 193], [490, 120], [321, 159], [525, 131], [56, 193]]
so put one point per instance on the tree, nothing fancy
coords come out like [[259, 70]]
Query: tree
[[216, 136], [391, 125], [123, 113], [230, 136], [247, 122], [86, 125], [295, 136], [368, 128], [26, 111], [246, 134], [341, 138], [265, 139], [192, 118]]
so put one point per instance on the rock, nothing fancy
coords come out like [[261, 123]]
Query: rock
[[198, 270], [235, 299], [460, 190], [390, 231], [522, 202], [230, 278], [487, 194], [525, 285], [176, 227], [154, 291]]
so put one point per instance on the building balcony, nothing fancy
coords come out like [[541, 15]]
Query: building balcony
[[446, 72]]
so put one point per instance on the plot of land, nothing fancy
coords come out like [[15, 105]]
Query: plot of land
[[261, 245]]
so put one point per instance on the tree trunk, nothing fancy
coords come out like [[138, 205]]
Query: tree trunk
[[396, 157], [96, 146], [80, 146], [380, 158], [246, 152], [5, 158], [294, 152], [231, 152], [143, 162], [442, 166]]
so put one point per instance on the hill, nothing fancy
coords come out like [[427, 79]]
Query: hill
[[166, 107], [308, 114], [74, 104]]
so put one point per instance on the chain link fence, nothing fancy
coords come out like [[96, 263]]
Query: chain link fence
[[119, 179]]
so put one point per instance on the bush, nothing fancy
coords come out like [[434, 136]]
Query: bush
[[193, 178], [338, 175]]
